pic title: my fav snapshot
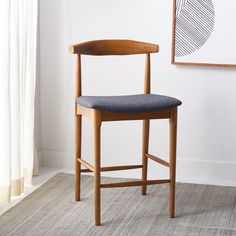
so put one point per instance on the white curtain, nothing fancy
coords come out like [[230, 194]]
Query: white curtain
[[18, 36]]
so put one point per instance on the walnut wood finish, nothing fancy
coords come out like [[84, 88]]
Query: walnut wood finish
[[119, 116], [157, 159], [78, 125], [86, 164], [172, 170], [114, 168], [96, 119], [146, 125], [135, 183], [147, 78], [113, 47], [120, 47], [145, 142]]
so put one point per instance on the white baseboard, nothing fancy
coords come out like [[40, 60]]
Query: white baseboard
[[188, 171]]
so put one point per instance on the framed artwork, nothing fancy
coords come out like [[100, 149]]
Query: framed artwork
[[204, 33]]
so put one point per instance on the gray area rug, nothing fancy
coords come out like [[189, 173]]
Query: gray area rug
[[51, 210]]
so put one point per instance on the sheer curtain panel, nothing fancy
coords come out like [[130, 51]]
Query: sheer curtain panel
[[18, 30]]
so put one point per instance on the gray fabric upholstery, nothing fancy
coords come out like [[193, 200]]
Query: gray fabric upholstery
[[129, 103]]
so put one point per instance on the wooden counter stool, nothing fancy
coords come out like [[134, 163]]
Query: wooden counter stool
[[144, 107]]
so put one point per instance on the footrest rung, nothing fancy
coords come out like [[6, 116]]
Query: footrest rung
[[135, 183], [115, 168], [86, 164], [157, 159]]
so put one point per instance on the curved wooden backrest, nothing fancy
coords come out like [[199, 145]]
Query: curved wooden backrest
[[113, 47]]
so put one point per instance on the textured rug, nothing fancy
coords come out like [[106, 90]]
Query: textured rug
[[51, 210]]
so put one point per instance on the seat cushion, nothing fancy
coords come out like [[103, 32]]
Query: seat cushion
[[129, 103]]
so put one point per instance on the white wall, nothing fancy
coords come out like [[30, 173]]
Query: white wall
[[206, 134]]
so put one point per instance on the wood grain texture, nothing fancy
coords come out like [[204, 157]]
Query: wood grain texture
[[135, 183], [78, 130], [115, 168], [146, 125], [78, 123], [96, 118], [81, 110], [113, 47], [116, 47], [86, 164], [147, 78], [116, 116], [204, 64], [157, 159], [145, 144], [172, 169]]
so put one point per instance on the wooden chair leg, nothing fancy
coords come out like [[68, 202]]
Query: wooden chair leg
[[173, 139], [146, 124], [97, 164], [78, 127]]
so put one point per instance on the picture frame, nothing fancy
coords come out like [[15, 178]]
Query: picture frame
[[197, 28]]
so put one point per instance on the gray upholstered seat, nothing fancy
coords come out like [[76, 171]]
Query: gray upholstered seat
[[129, 103]]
